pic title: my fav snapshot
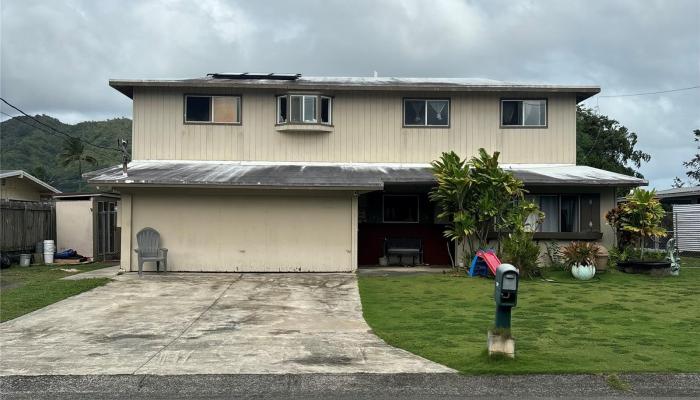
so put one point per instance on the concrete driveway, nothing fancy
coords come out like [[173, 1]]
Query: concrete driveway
[[205, 324]]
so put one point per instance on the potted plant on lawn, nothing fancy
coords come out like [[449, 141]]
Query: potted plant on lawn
[[581, 256], [641, 216]]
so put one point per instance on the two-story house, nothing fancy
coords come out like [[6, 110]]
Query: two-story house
[[280, 172]]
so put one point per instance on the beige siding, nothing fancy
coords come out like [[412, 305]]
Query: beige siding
[[74, 227], [244, 231], [367, 128], [15, 188]]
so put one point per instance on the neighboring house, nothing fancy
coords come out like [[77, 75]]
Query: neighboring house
[[87, 223], [21, 186], [27, 214], [684, 195], [274, 172]]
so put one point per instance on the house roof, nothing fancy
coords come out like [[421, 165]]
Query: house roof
[[299, 82], [18, 173], [316, 175], [84, 195], [679, 192]]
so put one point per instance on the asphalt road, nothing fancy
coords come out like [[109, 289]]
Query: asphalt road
[[344, 386]]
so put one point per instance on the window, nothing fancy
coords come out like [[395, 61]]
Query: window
[[304, 109], [213, 109], [561, 213], [281, 109], [568, 214], [426, 112], [524, 113], [325, 110], [401, 208]]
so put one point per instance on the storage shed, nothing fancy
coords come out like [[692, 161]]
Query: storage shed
[[87, 223]]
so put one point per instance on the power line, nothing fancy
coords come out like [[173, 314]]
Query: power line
[[16, 118], [648, 93], [58, 131]]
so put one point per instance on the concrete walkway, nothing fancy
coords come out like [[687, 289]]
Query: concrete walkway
[[170, 324]]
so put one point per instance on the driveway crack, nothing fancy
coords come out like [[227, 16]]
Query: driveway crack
[[179, 335]]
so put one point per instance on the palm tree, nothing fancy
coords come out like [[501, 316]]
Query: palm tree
[[74, 151]]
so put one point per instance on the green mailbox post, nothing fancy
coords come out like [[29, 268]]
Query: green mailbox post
[[506, 294]]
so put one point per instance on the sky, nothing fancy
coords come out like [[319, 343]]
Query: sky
[[56, 57]]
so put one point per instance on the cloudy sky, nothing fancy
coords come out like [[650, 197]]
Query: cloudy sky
[[57, 56]]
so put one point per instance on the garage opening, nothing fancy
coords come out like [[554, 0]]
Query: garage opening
[[394, 222]]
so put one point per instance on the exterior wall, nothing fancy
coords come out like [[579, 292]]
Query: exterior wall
[[244, 231], [607, 202], [16, 188], [367, 128], [74, 226]]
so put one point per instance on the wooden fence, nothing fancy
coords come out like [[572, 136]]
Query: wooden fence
[[24, 223]]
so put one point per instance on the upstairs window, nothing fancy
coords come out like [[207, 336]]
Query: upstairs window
[[304, 109], [213, 109], [426, 112], [524, 113]]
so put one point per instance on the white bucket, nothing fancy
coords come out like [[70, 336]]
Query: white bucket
[[24, 260], [49, 246], [48, 258]]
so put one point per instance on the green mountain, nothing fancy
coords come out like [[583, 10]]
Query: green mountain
[[28, 145]]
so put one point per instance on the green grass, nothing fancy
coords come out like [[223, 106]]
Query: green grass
[[619, 323], [25, 289]]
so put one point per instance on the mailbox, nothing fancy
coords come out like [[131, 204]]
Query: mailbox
[[506, 292]]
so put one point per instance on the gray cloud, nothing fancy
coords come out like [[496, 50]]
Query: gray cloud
[[58, 56]]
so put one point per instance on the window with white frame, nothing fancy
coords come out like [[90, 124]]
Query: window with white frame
[[304, 109], [426, 112], [524, 113], [213, 109], [402, 208]]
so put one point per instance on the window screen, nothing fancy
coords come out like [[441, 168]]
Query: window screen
[[309, 108], [226, 109], [296, 108], [399, 208], [198, 109], [534, 113]]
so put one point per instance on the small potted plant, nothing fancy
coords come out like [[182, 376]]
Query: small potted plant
[[581, 256]]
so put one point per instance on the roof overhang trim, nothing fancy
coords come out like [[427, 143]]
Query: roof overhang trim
[[582, 92], [329, 176]]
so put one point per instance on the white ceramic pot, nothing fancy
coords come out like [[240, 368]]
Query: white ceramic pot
[[583, 272]]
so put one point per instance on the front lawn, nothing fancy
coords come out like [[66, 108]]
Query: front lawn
[[25, 289], [619, 323]]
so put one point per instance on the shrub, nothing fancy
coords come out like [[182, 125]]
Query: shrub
[[519, 249], [641, 216], [580, 253], [478, 197]]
